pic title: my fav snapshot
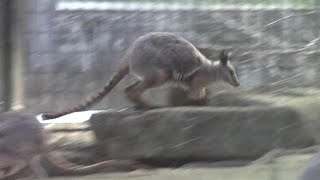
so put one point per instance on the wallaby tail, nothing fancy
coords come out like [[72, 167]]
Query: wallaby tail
[[61, 167], [123, 70]]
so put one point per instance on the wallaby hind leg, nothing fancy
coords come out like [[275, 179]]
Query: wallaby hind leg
[[135, 91]]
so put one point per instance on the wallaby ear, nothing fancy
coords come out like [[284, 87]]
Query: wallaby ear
[[223, 57]]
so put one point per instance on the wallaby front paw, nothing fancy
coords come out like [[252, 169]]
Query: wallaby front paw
[[200, 102], [146, 107]]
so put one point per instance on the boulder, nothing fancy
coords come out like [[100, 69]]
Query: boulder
[[199, 133]]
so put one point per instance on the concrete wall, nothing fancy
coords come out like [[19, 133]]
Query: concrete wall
[[39, 50], [73, 53]]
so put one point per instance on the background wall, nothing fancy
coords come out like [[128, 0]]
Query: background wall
[[1, 54], [72, 53]]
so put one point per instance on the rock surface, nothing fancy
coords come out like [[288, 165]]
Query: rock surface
[[194, 133], [284, 168]]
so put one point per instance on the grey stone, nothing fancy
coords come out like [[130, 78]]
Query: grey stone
[[199, 133]]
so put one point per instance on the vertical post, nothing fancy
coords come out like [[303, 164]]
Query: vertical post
[[7, 10], [17, 54], [2, 7]]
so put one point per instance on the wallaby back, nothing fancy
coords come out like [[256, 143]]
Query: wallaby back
[[164, 51]]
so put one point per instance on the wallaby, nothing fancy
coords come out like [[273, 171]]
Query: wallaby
[[23, 140], [160, 57]]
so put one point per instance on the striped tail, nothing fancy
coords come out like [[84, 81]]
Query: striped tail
[[123, 71]]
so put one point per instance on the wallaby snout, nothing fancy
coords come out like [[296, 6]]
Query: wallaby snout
[[235, 81]]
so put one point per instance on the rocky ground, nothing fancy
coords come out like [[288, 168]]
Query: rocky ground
[[284, 168]]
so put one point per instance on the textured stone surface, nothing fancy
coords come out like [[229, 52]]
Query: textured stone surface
[[285, 168], [199, 133]]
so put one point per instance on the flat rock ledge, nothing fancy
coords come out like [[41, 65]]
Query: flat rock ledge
[[199, 133]]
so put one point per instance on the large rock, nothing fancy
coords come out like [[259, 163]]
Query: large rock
[[199, 133], [284, 168]]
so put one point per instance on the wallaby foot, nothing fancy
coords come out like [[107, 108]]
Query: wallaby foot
[[198, 97], [136, 108], [199, 102], [145, 108], [197, 93]]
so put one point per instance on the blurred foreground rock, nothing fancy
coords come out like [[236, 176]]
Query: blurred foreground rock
[[199, 133], [236, 125], [284, 168]]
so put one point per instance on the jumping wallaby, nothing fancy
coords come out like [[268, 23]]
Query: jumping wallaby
[[23, 140], [160, 57]]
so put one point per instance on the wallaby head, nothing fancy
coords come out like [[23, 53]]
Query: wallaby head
[[227, 72]]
